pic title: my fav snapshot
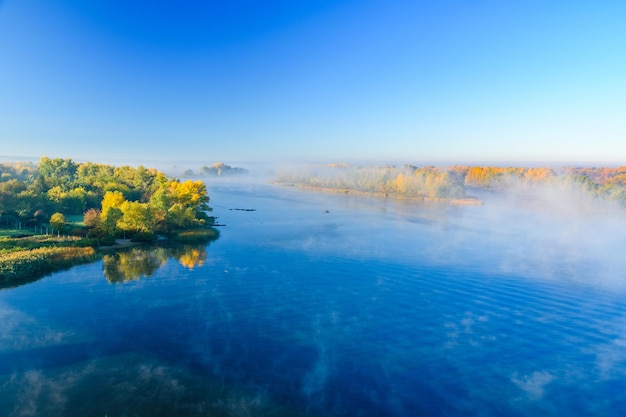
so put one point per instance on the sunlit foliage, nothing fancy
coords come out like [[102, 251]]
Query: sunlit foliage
[[136, 216], [178, 205], [28, 263], [495, 177]]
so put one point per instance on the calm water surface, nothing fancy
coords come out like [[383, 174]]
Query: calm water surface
[[326, 305]]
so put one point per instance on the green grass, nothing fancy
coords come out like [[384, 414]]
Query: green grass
[[14, 232], [17, 242], [75, 220]]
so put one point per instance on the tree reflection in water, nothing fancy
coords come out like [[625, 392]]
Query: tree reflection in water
[[139, 262]]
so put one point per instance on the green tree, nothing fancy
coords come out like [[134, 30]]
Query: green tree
[[136, 217], [57, 221], [180, 204], [109, 223], [8, 195], [75, 200], [57, 171]]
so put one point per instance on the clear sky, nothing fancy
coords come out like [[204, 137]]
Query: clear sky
[[348, 80]]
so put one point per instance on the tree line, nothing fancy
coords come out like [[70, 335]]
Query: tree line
[[408, 180], [112, 200], [457, 181], [602, 183]]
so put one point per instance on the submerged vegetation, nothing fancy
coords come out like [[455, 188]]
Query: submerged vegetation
[[56, 212]]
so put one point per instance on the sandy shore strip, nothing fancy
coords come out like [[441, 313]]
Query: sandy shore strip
[[466, 201]]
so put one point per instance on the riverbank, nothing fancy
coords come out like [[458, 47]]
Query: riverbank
[[25, 259], [120, 244], [466, 201]]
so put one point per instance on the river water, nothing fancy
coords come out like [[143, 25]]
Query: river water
[[330, 305]]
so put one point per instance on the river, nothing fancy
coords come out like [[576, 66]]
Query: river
[[329, 305]]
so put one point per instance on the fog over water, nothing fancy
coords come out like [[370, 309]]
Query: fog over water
[[322, 304]]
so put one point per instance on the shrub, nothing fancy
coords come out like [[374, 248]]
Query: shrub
[[87, 242], [197, 235], [143, 237], [107, 240]]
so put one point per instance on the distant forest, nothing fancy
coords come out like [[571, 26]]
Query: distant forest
[[456, 182], [110, 199]]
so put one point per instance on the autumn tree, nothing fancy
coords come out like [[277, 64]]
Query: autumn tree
[[112, 199], [139, 199], [178, 205], [91, 218], [111, 211]]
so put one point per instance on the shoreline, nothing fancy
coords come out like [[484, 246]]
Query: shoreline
[[465, 201], [30, 264], [120, 244]]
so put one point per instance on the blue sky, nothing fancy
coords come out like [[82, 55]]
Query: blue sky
[[398, 81]]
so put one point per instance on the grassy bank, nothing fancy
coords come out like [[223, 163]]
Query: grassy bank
[[196, 235], [18, 266]]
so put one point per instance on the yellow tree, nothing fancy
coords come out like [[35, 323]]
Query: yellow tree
[[112, 199], [401, 183], [190, 194], [57, 221], [179, 204], [136, 216], [111, 210]]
